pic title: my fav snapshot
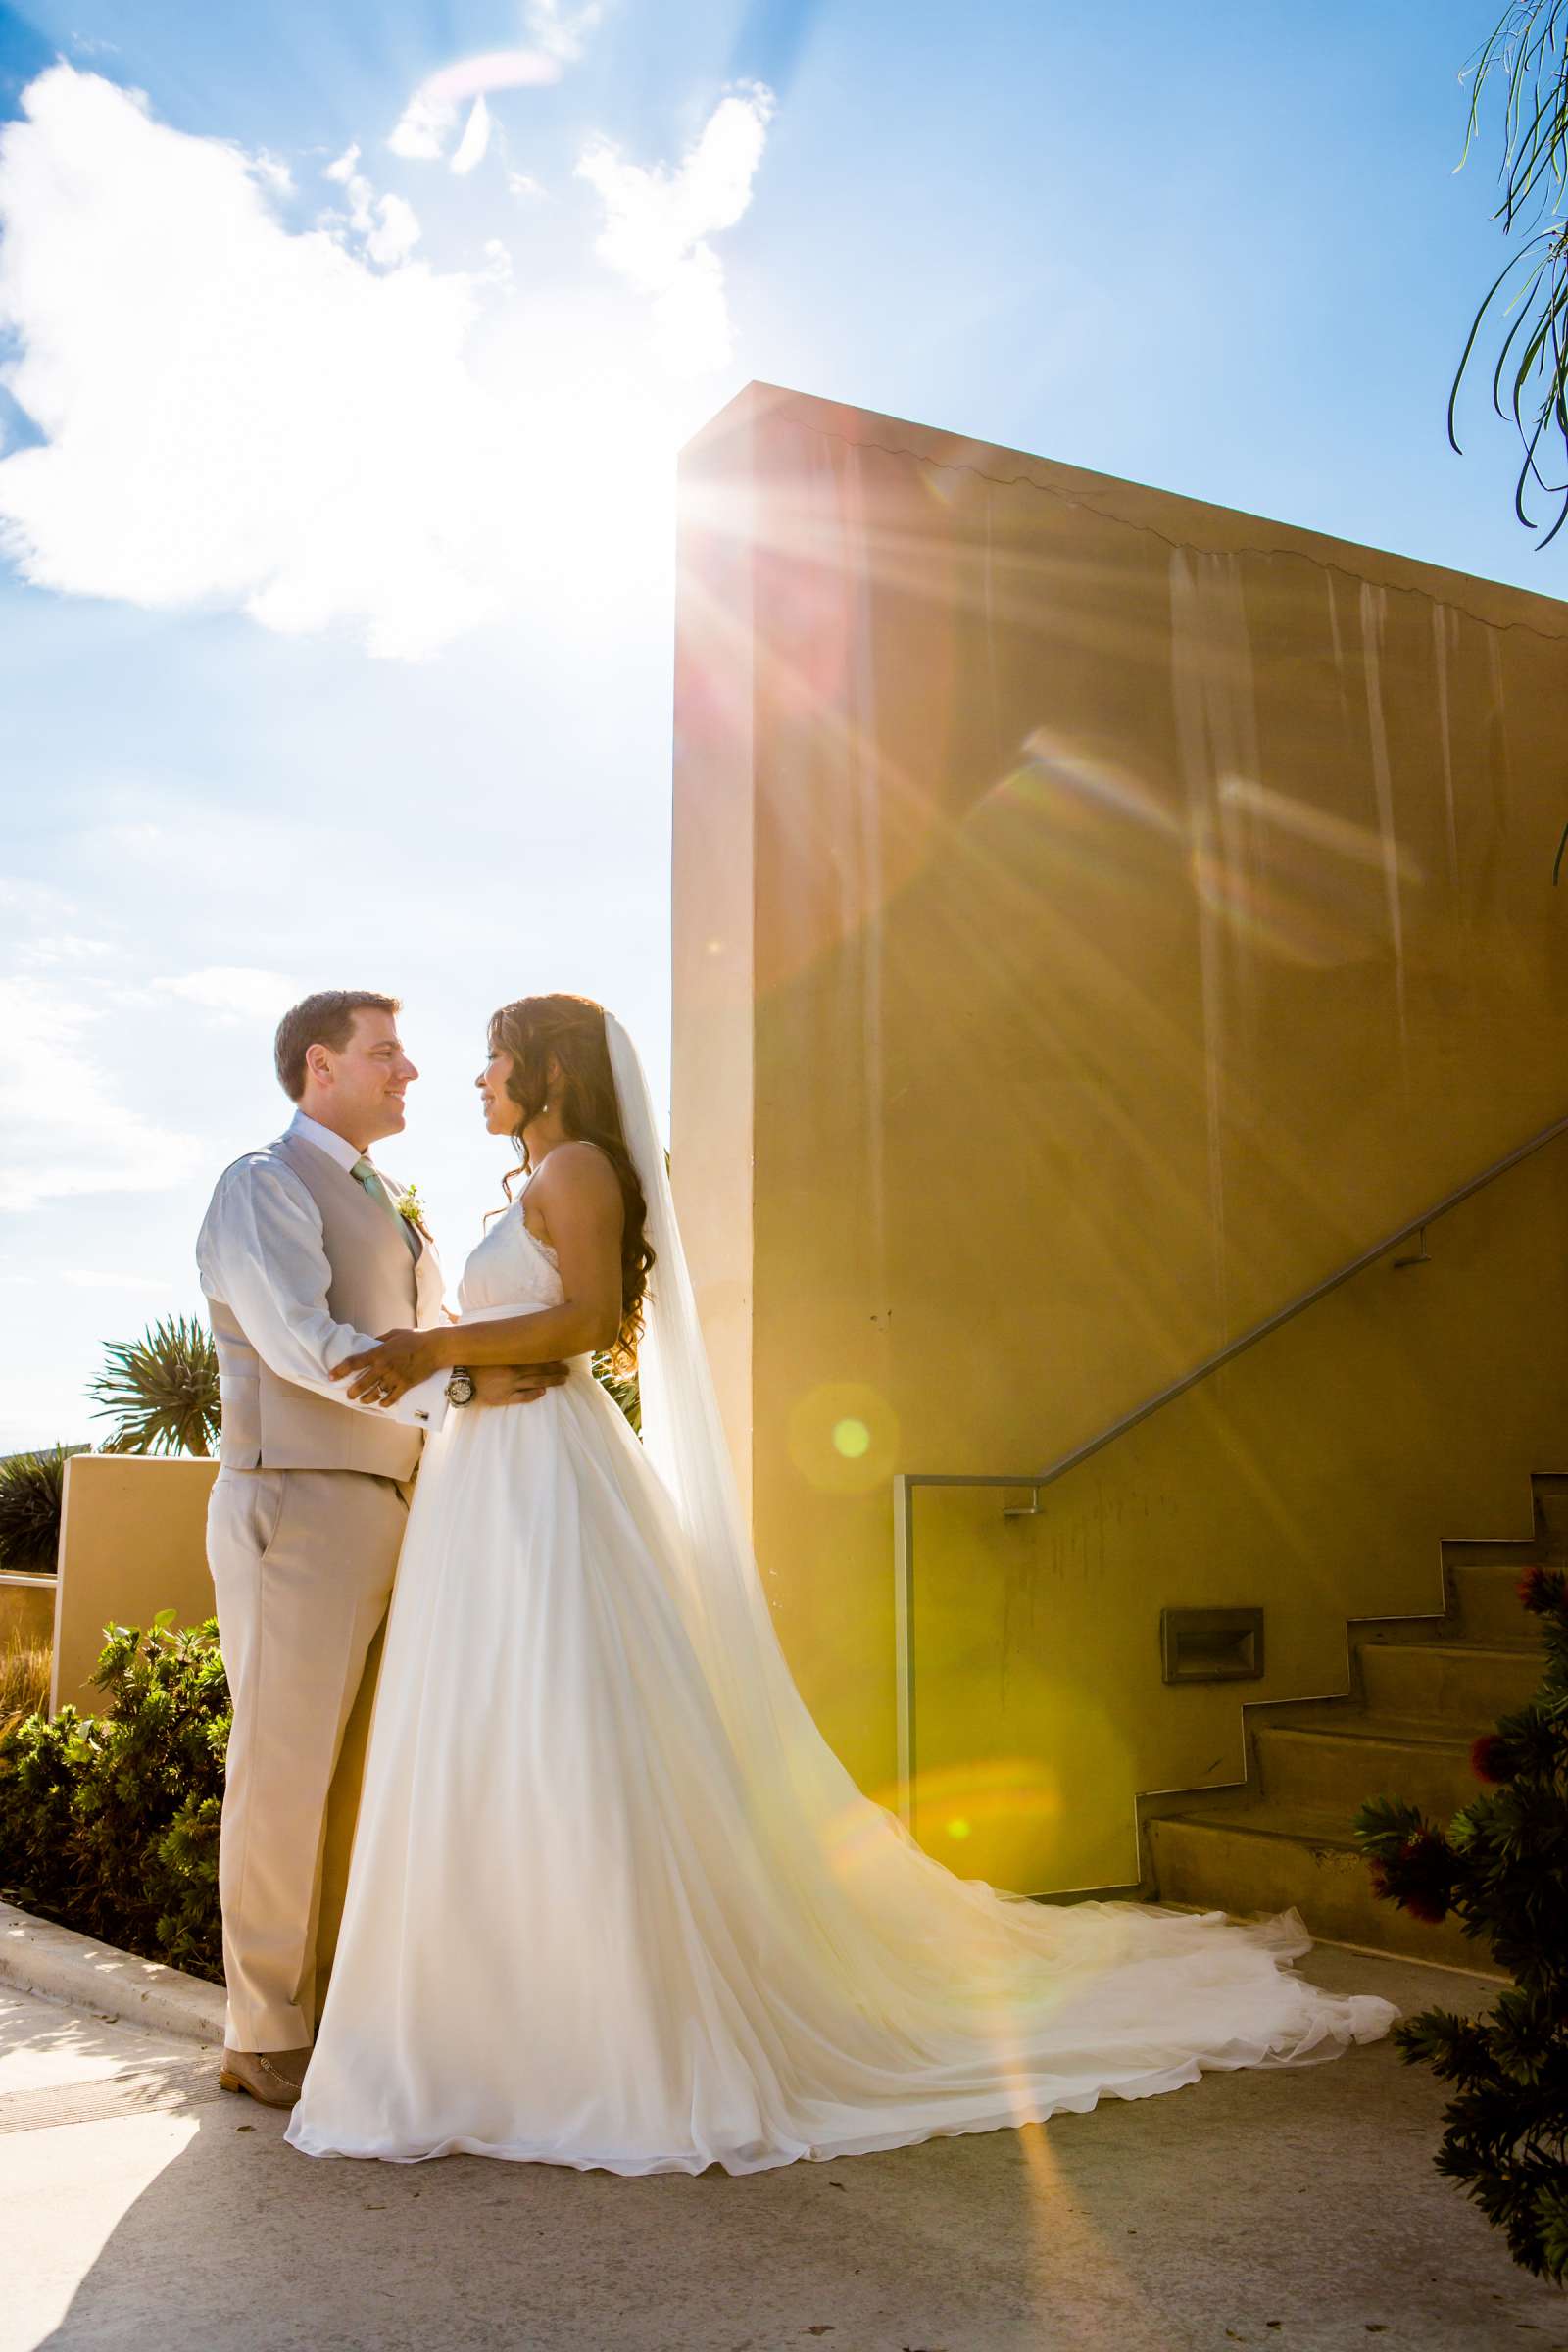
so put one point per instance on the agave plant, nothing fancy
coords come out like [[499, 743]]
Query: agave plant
[[32, 1488], [161, 1391]]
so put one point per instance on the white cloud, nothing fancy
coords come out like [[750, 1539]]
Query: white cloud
[[520, 184], [475, 139], [61, 947], [234, 992], [40, 929], [657, 223], [422, 129], [312, 427], [563, 32], [341, 169], [395, 233], [36, 902], [430, 116], [233, 414], [64, 1133], [385, 227], [82, 1278], [275, 172]]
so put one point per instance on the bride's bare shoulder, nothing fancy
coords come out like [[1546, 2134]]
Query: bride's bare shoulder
[[579, 1168]]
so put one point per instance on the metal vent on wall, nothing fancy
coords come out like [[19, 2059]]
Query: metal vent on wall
[[1212, 1645]]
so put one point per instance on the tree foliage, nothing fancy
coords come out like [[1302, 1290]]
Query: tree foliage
[[1526, 304], [1500, 1868]]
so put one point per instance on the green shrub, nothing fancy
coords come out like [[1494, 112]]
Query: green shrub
[[32, 1490], [1500, 1868], [109, 1822], [161, 1391]]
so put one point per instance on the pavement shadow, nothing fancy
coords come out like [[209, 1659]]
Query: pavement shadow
[[63, 2067], [1296, 2208], [236, 2241]]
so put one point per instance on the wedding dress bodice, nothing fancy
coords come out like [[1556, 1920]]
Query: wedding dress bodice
[[511, 1272]]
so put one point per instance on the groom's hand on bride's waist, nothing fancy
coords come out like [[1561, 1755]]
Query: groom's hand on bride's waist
[[400, 1359], [514, 1384]]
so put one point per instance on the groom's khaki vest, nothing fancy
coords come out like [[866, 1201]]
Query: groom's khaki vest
[[269, 1424]]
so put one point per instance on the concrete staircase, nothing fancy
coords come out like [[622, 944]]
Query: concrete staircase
[[1421, 1688]]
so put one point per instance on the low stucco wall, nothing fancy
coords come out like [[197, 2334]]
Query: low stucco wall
[[26, 1606], [132, 1541]]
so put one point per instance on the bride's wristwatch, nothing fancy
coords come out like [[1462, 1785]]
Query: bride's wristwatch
[[459, 1387]]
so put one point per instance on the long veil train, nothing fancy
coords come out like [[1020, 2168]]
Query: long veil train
[[904, 1933], [614, 1901]]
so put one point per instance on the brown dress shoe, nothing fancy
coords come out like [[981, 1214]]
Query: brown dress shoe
[[264, 2074]]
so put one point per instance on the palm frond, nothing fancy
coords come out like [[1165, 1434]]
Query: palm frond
[[1528, 301], [32, 1489], [623, 1386], [161, 1391]]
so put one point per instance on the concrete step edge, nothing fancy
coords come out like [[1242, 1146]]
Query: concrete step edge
[[1448, 1633], [1378, 1951], [1326, 1829], [38, 1956], [1373, 1737], [1460, 1647]]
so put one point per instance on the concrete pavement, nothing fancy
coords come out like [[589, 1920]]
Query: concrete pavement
[[140, 2208]]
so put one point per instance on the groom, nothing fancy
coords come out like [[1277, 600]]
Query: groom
[[306, 1255]]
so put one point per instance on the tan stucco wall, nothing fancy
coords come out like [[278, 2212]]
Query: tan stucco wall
[[132, 1541], [1098, 916], [1315, 1478]]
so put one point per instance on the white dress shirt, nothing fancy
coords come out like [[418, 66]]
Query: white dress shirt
[[260, 1251]]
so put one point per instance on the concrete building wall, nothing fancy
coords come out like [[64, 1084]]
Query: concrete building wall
[[1098, 916]]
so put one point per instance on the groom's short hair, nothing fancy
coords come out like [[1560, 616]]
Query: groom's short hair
[[324, 1019]]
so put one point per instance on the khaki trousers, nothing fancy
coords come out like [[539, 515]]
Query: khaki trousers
[[302, 1564]]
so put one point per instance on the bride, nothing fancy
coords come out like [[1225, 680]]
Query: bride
[[613, 1901]]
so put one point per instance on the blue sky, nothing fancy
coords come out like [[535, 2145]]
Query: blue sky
[[344, 377]]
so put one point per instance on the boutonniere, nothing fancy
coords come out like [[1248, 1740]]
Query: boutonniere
[[411, 1208]]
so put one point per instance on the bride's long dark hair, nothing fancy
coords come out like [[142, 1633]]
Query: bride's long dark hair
[[572, 1029]]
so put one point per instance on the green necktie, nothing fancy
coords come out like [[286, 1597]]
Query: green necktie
[[365, 1175]]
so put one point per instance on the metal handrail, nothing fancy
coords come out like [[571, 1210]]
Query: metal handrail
[[905, 1481]]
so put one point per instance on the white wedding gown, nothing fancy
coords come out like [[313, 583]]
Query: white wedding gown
[[613, 1902]]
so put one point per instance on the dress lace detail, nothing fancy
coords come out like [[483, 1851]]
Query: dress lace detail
[[511, 1272]]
